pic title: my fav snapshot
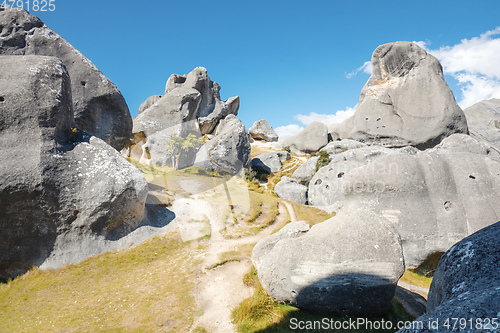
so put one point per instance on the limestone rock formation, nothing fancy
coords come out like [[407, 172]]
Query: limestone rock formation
[[434, 197], [337, 147], [261, 130], [306, 170], [333, 132], [291, 230], [310, 140], [289, 189], [270, 162], [191, 104], [466, 285], [98, 105], [229, 151], [406, 101], [55, 180], [347, 265], [149, 102], [483, 119]]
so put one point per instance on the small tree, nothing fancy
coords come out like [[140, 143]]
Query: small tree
[[177, 145]]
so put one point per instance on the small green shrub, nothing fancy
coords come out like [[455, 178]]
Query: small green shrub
[[323, 160]]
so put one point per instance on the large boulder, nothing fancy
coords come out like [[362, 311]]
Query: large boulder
[[99, 107], [347, 265], [55, 180], [340, 146], [406, 101], [435, 197], [289, 189], [483, 119], [306, 170], [261, 130], [229, 151], [191, 104], [270, 162], [310, 140], [465, 290]]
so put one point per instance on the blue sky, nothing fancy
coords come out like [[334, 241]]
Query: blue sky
[[289, 61]]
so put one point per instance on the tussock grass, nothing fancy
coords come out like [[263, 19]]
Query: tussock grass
[[311, 215], [261, 313], [142, 289], [416, 279]]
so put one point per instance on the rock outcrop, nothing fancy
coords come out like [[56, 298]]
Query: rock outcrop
[[99, 107], [270, 162], [229, 151], [310, 140], [406, 101], [261, 130], [55, 180], [289, 189], [191, 105], [434, 197], [347, 265], [483, 119], [306, 170], [466, 286]]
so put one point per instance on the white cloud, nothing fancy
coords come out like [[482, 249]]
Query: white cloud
[[475, 64], [327, 119], [422, 44], [366, 68], [288, 131]]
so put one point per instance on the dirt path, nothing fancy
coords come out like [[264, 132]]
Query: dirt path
[[291, 211], [220, 289]]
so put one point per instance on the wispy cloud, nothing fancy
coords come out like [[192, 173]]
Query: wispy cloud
[[365, 68], [327, 119], [288, 131], [475, 64]]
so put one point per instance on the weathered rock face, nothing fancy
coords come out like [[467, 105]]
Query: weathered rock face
[[99, 107], [347, 265], [191, 104], [466, 285], [149, 102], [229, 151], [54, 179], [270, 162], [310, 140], [434, 197], [483, 119], [290, 189], [306, 171], [337, 147], [405, 102], [261, 130]]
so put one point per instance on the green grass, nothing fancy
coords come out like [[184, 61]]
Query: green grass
[[311, 215], [142, 289], [261, 313], [243, 252], [416, 279]]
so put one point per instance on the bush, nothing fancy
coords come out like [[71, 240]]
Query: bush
[[323, 160]]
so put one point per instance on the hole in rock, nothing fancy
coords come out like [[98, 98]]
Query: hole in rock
[[83, 83], [472, 177], [2, 99], [318, 182], [447, 205], [327, 187], [340, 175]]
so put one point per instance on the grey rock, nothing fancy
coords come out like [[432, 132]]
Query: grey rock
[[55, 180], [406, 101], [229, 151], [435, 197], [306, 170], [310, 140], [191, 104], [483, 119], [99, 107], [270, 162], [289, 189], [333, 132], [337, 147], [347, 265], [148, 102], [265, 245], [466, 285], [261, 130]]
